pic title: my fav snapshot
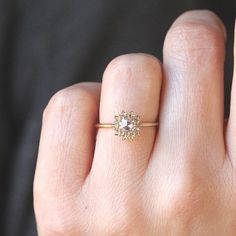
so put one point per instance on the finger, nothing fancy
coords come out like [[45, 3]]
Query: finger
[[66, 148], [231, 127], [131, 82], [191, 116]]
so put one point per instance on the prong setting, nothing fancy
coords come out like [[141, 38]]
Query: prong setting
[[127, 125]]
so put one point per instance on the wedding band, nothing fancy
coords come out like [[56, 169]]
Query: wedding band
[[127, 125]]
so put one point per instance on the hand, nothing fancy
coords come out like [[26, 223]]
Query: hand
[[179, 179]]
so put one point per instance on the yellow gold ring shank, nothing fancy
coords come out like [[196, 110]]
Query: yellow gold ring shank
[[111, 125]]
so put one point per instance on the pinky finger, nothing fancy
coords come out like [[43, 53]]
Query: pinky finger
[[66, 150]]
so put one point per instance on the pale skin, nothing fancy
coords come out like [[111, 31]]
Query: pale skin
[[179, 179]]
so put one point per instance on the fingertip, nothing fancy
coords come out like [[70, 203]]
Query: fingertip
[[204, 17]]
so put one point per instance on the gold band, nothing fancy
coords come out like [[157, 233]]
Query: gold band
[[127, 125], [110, 125]]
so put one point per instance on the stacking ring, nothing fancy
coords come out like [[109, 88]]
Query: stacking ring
[[126, 125]]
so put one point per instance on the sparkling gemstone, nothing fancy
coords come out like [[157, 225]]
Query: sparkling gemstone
[[126, 124]]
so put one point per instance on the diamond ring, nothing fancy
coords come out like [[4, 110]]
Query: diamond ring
[[127, 125]]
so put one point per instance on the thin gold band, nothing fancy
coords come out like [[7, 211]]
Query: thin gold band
[[110, 125]]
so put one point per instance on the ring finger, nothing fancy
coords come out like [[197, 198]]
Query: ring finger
[[131, 82]]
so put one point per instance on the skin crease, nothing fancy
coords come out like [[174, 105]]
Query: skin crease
[[178, 179]]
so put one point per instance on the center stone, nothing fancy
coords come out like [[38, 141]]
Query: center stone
[[126, 124]]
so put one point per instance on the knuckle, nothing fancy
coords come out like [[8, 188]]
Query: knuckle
[[187, 201], [130, 65], [120, 218], [116, 226], [189, 40], [70, 99], [183, 205]]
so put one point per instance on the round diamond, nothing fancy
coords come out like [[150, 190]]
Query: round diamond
[[127, 125]]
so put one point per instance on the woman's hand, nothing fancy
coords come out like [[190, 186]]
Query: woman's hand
[[177, 179]]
